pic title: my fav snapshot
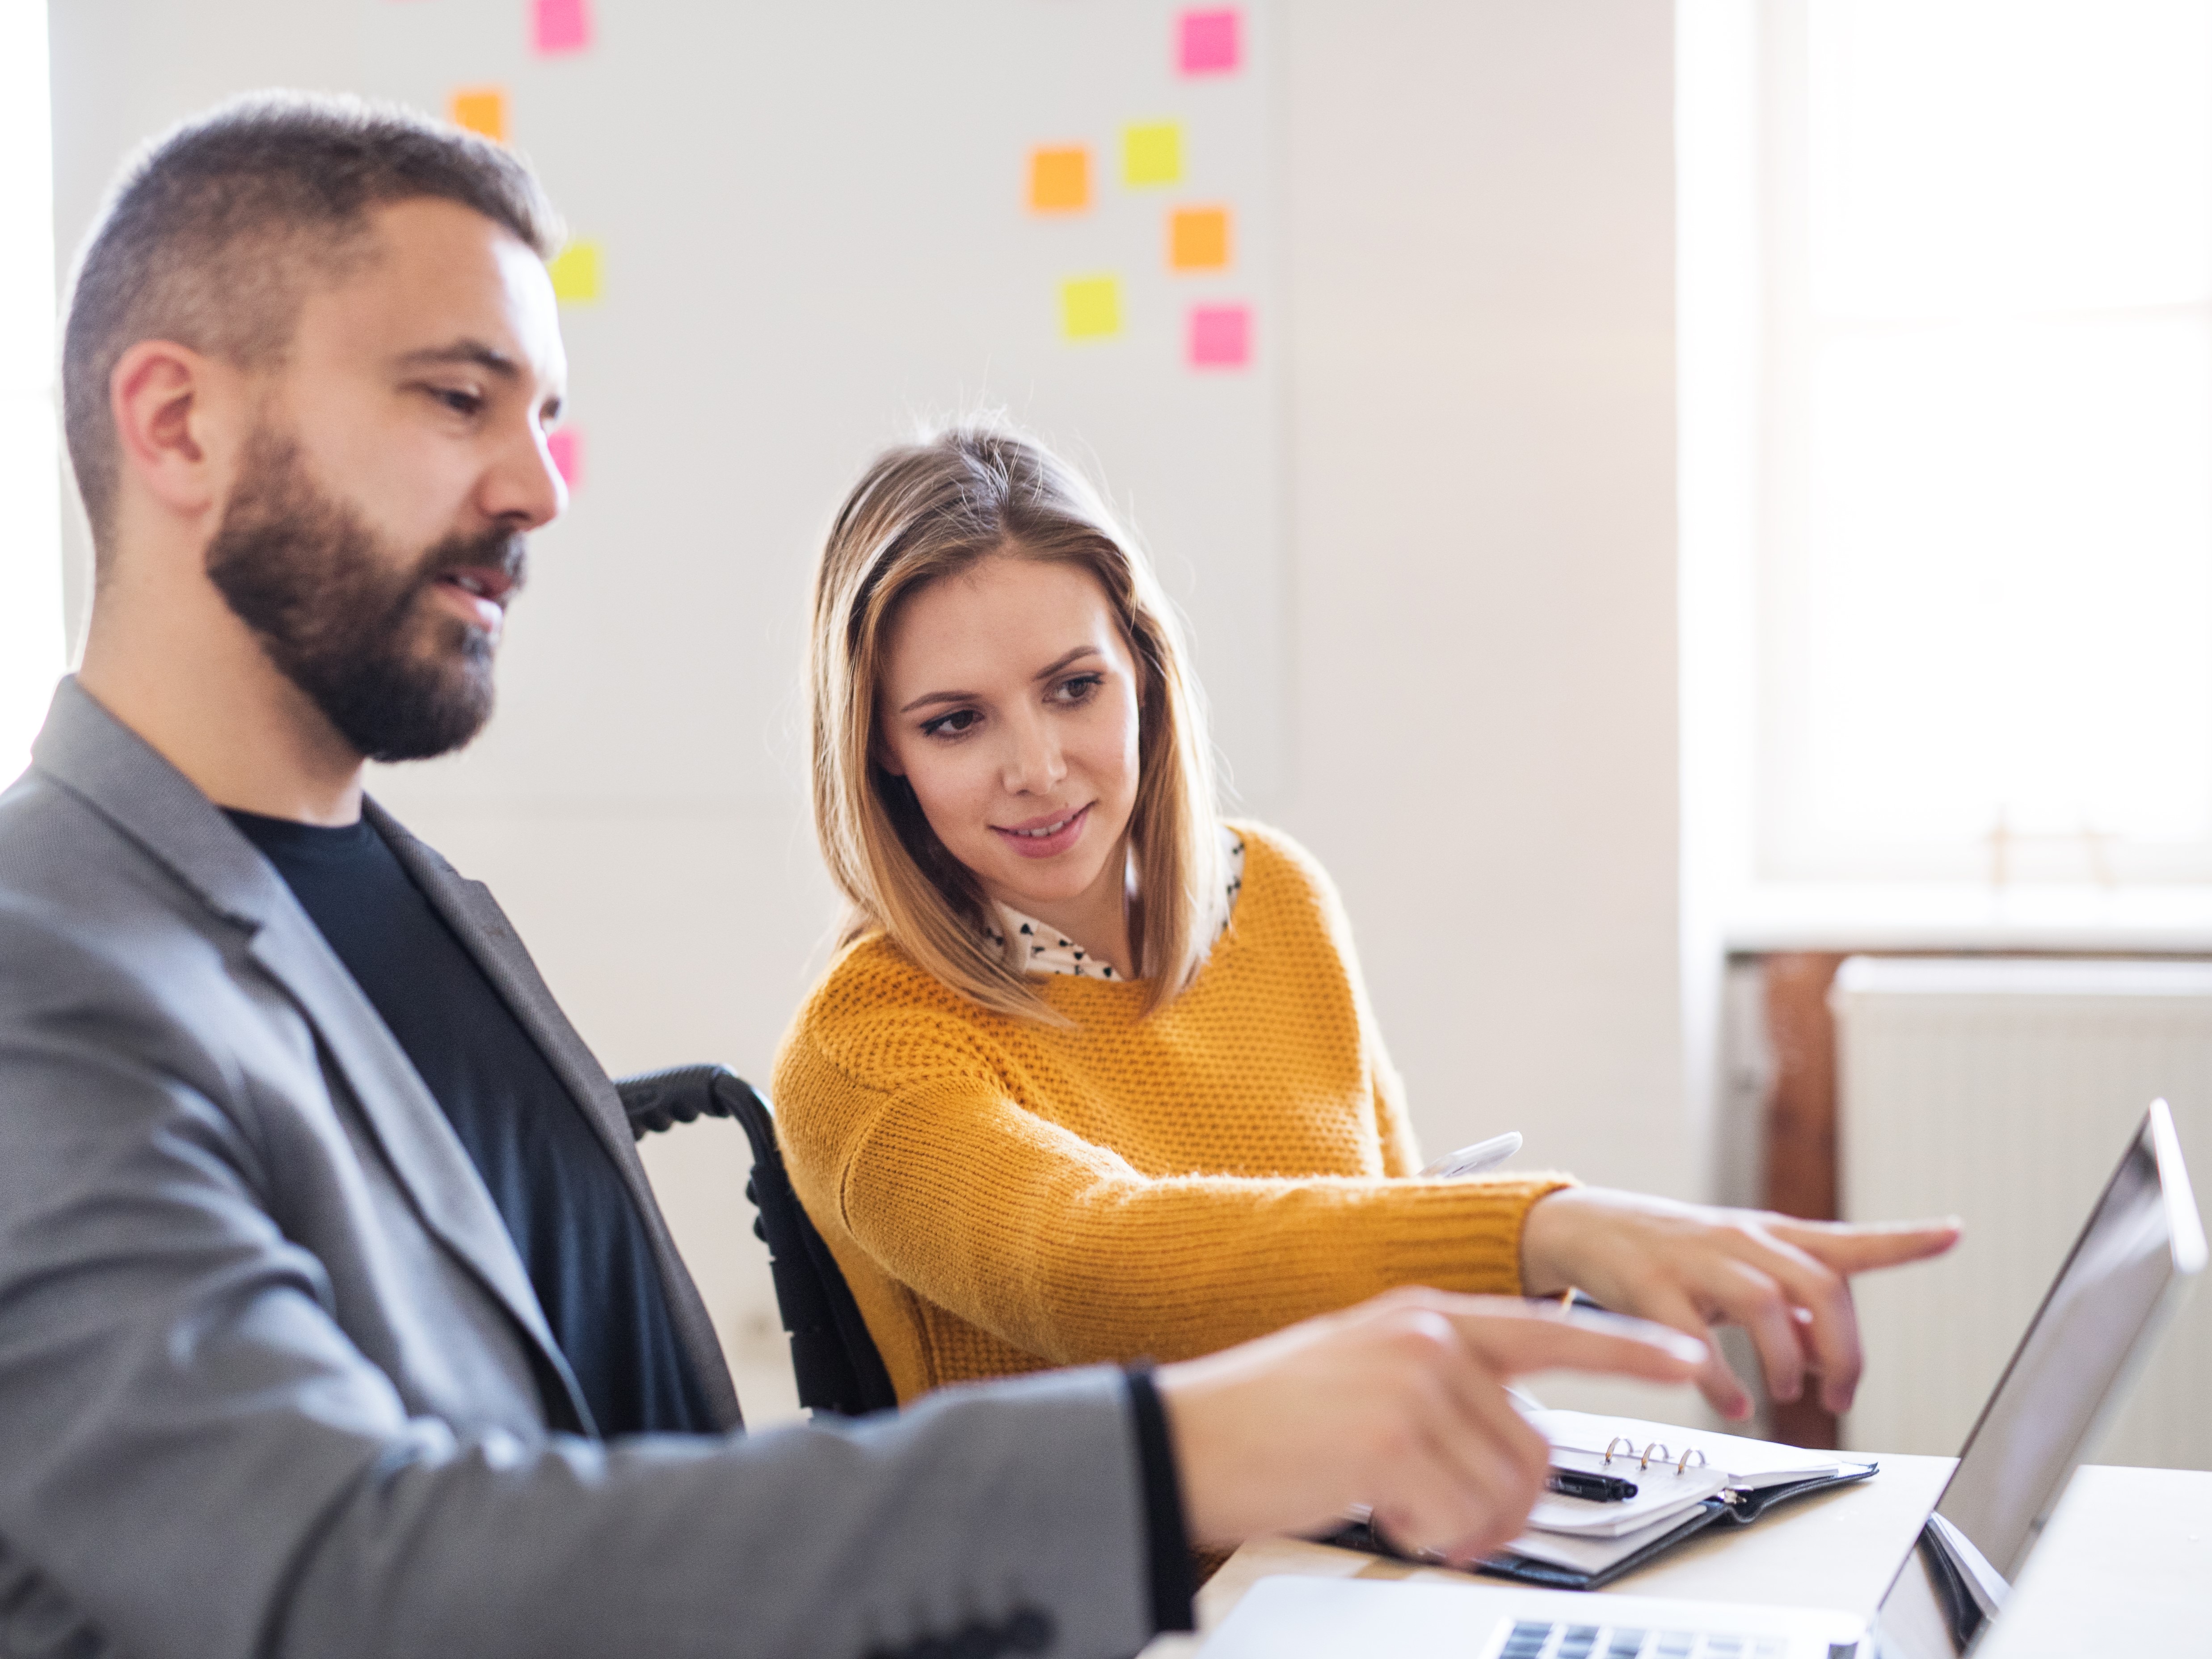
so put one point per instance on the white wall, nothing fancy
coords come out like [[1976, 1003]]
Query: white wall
[[1479, 258], [31, 639], [1477, 263]]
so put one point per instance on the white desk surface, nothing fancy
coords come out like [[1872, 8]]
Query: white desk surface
[[2125, 1566]]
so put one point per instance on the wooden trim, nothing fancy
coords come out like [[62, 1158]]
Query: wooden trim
[[1799, 1170]]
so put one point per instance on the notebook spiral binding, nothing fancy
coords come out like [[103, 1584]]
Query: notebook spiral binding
[[1657, 1449]]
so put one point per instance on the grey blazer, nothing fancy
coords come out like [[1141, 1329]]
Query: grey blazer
[[271, 1367]]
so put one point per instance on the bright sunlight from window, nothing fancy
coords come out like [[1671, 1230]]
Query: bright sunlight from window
[[1987, 588], [31, 649]]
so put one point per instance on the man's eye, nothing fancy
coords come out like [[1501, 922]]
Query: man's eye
[[952, 725], [461, 402]]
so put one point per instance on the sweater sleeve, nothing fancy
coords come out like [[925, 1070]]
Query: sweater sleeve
[[1062, 1247]]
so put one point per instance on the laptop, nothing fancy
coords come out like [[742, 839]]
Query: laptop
[[2133, 1262]]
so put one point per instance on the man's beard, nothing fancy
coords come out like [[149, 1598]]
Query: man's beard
[[343, 624]]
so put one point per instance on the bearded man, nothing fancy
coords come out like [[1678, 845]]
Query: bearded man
[[336, 1314]]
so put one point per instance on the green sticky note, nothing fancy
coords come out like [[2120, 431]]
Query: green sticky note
[[1151, 153], [1091, 307], [575, 273]]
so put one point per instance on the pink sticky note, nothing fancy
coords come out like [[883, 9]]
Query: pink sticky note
[[559, 25], [566, 447], [1220, 337], [1207, 41]]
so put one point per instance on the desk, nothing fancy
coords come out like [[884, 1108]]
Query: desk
[[2125, 1566]]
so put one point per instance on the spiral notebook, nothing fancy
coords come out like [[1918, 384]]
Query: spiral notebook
[[1686, 1480]]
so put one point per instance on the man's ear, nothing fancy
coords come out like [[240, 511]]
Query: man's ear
[[164, 400]]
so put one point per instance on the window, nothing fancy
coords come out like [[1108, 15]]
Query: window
[[1981, 539], [30, 646]]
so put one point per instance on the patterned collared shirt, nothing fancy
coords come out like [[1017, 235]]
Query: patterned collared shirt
[[1051, 951]]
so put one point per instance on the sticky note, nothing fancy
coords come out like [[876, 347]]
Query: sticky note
[[1208, 42], [481, 109], [575, 273], [1059, 179], [559, 25], [1220, 337], [566, 446], [1198, 239], [1091, 307], [1151, 153]]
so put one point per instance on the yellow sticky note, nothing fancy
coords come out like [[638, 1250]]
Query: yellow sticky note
[[1198, 239], [1091, 307], [1151, 153], [1059, 179], [575, 273], [481, 109]]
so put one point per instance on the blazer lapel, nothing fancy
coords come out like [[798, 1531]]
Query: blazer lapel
[[88, 751], [477, 921], [410, 1126]]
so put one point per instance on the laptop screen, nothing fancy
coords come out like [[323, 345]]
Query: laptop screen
[[2141, 1240]]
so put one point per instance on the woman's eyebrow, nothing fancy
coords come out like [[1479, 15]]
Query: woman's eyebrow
[[940, 696], [1044, 673], [1059, 663]]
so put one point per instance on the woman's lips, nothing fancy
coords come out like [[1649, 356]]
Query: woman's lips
[[1045, 837]]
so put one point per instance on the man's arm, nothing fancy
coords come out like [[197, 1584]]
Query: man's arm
[[201, 1459]]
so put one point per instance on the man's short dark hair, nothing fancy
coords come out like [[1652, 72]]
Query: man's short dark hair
[[215, 233]]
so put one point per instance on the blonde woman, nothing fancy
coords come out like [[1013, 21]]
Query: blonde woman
[[1093, 1076]]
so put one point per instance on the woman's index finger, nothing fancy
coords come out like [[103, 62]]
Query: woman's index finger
[[1847, 1247]]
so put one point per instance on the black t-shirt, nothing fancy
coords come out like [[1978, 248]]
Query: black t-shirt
[[562, 1199]]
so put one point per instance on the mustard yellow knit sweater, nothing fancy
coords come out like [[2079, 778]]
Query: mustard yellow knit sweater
[[1004, 1196]]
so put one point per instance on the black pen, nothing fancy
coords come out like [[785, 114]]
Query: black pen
[[1597, 1488]]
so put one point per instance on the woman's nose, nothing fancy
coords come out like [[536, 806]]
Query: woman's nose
[[1034, 763]]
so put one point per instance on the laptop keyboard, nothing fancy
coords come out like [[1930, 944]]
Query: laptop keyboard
[[1536, 1639]]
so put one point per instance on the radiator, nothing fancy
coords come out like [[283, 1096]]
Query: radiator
[[2003, 1090]]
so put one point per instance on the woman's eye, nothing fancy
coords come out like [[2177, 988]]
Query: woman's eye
[[952, 725], [1079, 688]]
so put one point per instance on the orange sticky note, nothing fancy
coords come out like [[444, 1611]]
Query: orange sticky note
[[1198, 239], [1059, 179], [481, 109]]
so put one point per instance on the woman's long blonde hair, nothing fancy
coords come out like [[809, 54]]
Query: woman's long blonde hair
[[929, 510]]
